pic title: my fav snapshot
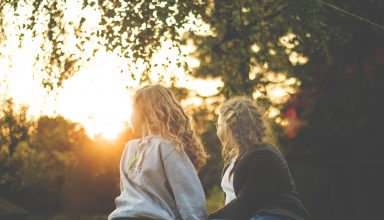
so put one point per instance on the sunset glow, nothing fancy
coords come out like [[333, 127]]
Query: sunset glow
[[99, 95]]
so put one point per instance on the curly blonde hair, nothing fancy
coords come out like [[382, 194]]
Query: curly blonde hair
[[162, 115], [243, 127]]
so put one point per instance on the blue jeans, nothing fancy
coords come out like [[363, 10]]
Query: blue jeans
[[268, 217]]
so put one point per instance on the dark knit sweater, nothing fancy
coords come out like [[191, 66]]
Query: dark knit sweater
[[263, 185]]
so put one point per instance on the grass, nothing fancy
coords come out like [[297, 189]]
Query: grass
[[68, 217], [215, 199]]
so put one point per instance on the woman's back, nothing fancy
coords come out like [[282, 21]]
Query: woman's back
[[262, 181], [264, 174], [162, 184]]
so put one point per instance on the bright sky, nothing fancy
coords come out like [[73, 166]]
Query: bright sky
[[97, 96]]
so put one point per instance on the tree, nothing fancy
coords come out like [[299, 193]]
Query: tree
[[331, 151], [133, 29], [56, 166], [14, 126], [35, 172], [335, 155]]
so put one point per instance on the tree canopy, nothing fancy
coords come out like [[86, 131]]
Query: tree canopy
[[133, 29]]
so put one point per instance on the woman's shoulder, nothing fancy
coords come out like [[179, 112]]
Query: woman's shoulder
[[151, 140], [266, 151], [263, 148], [132, 142], [162, 145], [131, 145], [159, 142], [141, 143], [266, 157], [154, 143]]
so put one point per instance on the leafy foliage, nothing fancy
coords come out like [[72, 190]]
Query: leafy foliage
[[14, 126], [133, 29], [56, 166]]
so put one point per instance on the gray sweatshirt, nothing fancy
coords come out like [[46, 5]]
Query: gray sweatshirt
[[162, 185]]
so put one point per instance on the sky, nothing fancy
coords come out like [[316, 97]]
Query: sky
[[99, 95]]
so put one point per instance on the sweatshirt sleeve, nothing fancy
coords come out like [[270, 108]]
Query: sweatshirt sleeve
[[264, 171], [186, 186]]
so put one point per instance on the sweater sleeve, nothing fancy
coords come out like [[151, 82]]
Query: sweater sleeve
[[265, 169], [186, 186]]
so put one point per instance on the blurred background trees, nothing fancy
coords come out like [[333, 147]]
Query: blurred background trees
[[55, 167], [317, 71]]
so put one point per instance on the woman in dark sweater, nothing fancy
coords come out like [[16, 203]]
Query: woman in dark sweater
[[256, 179]]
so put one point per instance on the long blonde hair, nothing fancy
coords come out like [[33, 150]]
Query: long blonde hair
[[162, 115], [243, 127]]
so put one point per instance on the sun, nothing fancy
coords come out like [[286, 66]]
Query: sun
[[98, 98]]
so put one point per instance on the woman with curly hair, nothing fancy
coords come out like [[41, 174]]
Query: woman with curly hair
[[256, 179], [158, 172]]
